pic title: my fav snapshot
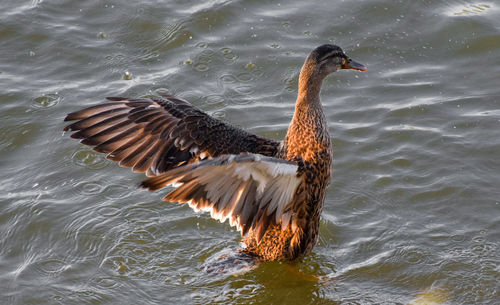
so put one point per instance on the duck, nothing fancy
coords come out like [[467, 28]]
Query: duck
[[272, 191]]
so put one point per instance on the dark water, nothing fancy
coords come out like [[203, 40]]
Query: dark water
[[413, 212]]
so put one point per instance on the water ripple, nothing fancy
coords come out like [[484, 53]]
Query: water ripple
[[409, 216], [89, 159]]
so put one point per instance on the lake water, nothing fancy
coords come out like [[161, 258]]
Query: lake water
[[413, 211]]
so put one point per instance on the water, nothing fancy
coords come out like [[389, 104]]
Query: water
[[412, 214]]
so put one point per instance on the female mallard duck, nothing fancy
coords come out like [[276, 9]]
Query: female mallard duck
[[273, 192]]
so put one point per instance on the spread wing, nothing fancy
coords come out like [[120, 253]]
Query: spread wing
[[251, 190], [158, 134]]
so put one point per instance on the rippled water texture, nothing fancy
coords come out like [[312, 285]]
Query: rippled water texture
[[413, 211]]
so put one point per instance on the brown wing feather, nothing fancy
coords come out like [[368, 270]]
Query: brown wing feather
[[252, 191], [157, 134]]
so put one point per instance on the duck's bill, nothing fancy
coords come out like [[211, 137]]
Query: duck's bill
[[351, 64]]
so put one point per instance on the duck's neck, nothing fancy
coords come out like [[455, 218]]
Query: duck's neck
[[309, 86], [308, 131]]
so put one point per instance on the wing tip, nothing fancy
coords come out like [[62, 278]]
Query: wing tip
[[145, 185], [153, 184], [86, 141], [116, 98], [77, 135], [72, 116]]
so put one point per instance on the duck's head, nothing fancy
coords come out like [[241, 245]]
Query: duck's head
[[329, 58]]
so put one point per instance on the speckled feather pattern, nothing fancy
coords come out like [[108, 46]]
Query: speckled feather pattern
[[160, 133], [272, 192], [308, 144]]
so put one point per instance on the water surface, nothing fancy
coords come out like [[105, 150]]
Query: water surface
[[413, 211]]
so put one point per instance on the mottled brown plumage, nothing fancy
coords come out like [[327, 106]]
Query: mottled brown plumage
[[272, 192], [159, 133]]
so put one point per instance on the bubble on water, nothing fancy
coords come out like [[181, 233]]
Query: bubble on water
[[116, 191], [127, 75], [245, 77], [108, 211], [202, 67], [220, 114], [46, 100], [201, 45], [228, 53], [88, 188], [105, 282], [245, 90], [214, 99], [161, 91], [228, 78]]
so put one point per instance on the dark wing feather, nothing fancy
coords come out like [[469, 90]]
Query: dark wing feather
[[251, 190], [157, 134]]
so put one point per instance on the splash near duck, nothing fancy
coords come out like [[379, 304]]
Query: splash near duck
[[271, 191]]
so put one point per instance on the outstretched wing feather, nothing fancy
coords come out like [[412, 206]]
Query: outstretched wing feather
[[249, 189], [181, 133]]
